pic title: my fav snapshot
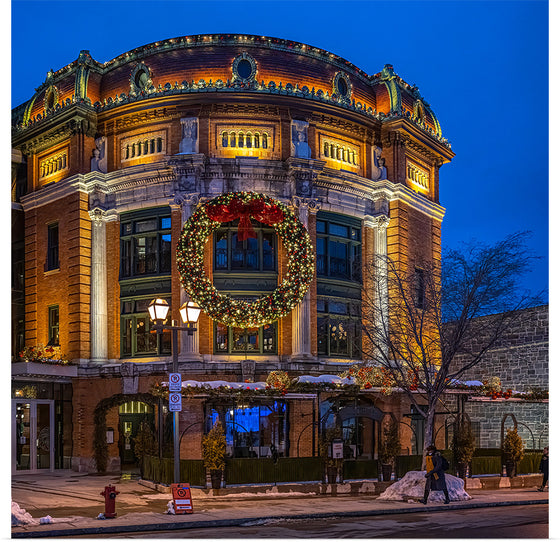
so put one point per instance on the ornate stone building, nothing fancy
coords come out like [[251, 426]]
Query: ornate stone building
[[111, 159]]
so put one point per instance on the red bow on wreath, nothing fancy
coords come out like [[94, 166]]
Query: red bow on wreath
[[259, 210]]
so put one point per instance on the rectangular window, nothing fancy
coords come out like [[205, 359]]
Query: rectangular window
[[339, 248], [53, 326], [137, 337], [52, 247], [253, 254], [338, 328], [145, 245], [257, 340], [419, 289]]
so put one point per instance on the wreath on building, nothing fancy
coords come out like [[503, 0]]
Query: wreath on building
[[243, 206]]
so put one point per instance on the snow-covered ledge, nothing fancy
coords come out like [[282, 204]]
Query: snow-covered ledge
[[44, 369]]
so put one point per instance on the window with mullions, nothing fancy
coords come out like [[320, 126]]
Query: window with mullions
[[258, 254], [145, 246], [53, 326], [137, 338], [338, 328], [339, 250], [235, 340], [251, 429]]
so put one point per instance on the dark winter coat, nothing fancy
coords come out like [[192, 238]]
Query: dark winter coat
[[543, 467], [437, 474]]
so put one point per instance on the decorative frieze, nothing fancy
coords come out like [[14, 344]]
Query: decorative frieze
[[53, 164], [418, 176], [140, 146]]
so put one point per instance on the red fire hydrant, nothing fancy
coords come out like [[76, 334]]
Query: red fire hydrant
[[110, 493]]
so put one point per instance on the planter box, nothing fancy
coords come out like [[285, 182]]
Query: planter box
[[44, 369]]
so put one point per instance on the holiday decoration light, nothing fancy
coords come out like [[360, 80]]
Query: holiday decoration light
[[245, 205]]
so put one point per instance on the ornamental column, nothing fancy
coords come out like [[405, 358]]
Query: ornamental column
[[301, 314], [98, 326], [379, 224], [189, 343]]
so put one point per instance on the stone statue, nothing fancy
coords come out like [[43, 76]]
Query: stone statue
[[383, 169], [376, 169], [299, 139], [189, 140], [99, 159]]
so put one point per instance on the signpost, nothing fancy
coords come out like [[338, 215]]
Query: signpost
[[338, 449]]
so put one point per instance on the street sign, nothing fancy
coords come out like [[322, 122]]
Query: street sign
[[175, 402], [175, 382], [182, 501], [337, 449]]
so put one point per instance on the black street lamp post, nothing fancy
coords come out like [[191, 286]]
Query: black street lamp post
[[190, 311]]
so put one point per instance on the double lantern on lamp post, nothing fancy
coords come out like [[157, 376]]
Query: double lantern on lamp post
[[190, 311]]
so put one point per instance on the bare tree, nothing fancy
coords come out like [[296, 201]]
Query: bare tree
[[425, 324]]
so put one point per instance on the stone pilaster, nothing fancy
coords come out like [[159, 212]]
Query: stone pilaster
[[301, 314], [379, 225], [99, 332], [189, 342]]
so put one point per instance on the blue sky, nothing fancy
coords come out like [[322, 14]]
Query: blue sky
[[481, 65]]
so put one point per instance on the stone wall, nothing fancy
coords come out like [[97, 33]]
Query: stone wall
[[487, 416], [520, 360]]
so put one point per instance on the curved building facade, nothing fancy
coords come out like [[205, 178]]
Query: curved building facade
[[111, 159]]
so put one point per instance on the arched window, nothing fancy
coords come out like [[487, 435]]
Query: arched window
[[248, 141], [241, 141], [159, 144], [257, 141], [224, 139], [233, 141], [265, 141], [326, 149]]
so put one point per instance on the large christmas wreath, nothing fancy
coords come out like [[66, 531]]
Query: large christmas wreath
[[244, 206]]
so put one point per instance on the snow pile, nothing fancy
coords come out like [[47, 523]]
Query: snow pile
[[46, 520], [412, 484], [170, 508], [20, 516]]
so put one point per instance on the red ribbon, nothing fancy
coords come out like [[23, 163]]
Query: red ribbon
[[259, 210]]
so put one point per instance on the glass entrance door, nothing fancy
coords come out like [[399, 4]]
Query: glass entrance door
[[32, 435]]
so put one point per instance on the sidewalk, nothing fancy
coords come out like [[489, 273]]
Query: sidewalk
[[73, 500]]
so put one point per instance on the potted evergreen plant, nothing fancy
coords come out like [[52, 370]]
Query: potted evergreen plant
[[389, 449], [512, 449], [214, 453], [463, 446]]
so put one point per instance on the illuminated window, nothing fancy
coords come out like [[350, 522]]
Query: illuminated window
[[346, 154], [137, 336], [338, 327], [234, 340], [53, 326], [52, 164], [339, 252], [417, 176], [252, 429], [244, 139]]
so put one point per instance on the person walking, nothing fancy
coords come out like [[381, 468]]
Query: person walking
[[435, 474], [543, 467]]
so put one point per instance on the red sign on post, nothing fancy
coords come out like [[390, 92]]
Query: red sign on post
[[182, 502]]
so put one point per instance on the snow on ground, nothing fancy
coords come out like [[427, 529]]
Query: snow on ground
[[20, 516], [412, 484], [329, 379]]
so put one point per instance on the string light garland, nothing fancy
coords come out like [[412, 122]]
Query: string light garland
[[245, 205]]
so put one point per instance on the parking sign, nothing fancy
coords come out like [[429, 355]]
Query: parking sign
[[175, 382], [175, 402]]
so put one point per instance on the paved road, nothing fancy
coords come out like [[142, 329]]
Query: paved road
[[507, 522]]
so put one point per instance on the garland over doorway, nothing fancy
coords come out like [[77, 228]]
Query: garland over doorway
[[100, 452]]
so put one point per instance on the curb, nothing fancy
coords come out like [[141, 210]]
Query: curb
[[233, 522]]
